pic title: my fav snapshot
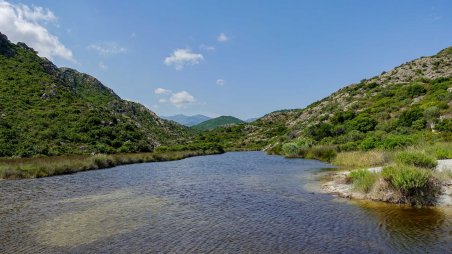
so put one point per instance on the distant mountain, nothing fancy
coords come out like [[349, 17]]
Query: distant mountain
[[187, 120], [217, 122], [52, 111], [249, 120]]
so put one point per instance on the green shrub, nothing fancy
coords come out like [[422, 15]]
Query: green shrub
[[396, 141], [363, 180], [368, 143], [363, 123], [323, 153], [409, 116], [415, 184], [291, 149], [440, 150], [417, 159]]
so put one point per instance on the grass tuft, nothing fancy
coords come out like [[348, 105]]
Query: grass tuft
[[363, 180], [416, 159]]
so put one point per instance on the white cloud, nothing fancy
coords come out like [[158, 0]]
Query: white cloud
[[182, 57], [221, 82], [163, 100], [207, 47], [162, 91], [181, 99], [107, 48], [103, 66], [222, 37], [27, 24]]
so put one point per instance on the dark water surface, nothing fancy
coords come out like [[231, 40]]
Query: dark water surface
[[236, 202]]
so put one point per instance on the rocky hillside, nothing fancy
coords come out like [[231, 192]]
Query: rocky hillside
[[52, 111], [397, 108]]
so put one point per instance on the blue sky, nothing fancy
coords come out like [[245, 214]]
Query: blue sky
[[240, 58]]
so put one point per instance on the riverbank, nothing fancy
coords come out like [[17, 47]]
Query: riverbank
[[18, 168], [341, 184]]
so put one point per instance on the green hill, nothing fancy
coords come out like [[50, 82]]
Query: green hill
[[401, 107], [52, 111], [217, 122]]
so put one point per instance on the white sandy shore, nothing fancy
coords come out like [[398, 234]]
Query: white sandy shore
[[340, 187]]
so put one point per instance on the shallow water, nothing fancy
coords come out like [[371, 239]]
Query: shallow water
[[235, 202]]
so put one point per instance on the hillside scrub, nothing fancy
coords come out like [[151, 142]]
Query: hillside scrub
[[51, 111]]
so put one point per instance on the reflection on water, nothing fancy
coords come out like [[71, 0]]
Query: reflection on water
[[235, 202], [400, 223]]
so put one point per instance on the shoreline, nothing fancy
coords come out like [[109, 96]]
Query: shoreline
[[339, 186], [26, 168]]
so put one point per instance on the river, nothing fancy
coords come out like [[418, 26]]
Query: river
[[235, 202]]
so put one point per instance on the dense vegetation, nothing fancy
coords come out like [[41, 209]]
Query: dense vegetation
[[45, 110], [217, 122]]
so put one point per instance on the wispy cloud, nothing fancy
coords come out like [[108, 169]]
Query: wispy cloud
[[28, 24], [221, 82], [182, 57], [107, 48], [103, 66], [207, 47], [162, 91], [222, 37]]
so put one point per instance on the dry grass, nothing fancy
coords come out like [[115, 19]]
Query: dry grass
[[57, 165], [361, 159]]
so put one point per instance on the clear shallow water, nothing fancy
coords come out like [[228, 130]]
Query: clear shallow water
[[236, 202]]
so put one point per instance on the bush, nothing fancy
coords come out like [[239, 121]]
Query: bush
[[396, 141], [417, 159], [409, 116], [415, 184], [363, 180], [323, 153], [363, 123], [291, 149], [368, 143]]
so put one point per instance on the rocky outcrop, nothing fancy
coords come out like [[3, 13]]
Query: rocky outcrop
[[6, 48]]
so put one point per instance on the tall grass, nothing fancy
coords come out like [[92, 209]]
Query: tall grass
[[57, 165], [363, 180], [440, 151], [361, 159], [416, 158]]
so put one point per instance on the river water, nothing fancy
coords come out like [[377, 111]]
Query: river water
[[235, 202]]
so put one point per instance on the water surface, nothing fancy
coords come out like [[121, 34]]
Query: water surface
[[235, 202]]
